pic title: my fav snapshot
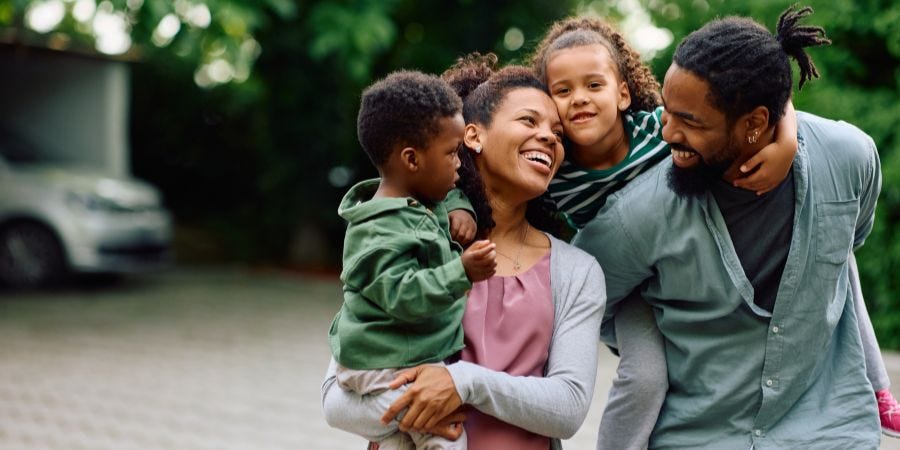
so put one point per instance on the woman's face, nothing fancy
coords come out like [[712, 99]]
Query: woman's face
[[522, 147]]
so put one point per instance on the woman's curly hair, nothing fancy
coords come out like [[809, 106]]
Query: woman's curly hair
[[482, 85]]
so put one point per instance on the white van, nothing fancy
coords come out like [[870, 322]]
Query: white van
[[57, 218]]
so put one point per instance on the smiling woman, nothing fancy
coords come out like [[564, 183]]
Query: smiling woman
[[522, 389]]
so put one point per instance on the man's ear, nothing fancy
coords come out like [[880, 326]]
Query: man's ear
[[409, 159], [756, 122], [472, 138]]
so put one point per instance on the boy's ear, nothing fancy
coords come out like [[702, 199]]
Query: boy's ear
[[472, 137], [624, 96], [409, 159]]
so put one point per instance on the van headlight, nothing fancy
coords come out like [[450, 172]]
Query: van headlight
[[95, 203]]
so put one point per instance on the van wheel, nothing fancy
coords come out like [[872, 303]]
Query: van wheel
[[30, 256]]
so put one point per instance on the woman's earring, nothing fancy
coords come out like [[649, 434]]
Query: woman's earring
[[477, 149], [753, 137]]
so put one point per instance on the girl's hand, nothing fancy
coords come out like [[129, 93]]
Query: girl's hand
[[462, 226], [430, 399], [773, 166], [775, 159]]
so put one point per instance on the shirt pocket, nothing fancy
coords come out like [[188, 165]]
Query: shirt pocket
[[835, 226]]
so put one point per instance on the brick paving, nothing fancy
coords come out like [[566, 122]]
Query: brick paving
[[196, 359]]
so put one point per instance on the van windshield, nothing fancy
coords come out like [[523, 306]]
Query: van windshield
[[15, 150]]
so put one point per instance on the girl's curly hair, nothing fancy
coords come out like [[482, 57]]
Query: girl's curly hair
[[581, 31]]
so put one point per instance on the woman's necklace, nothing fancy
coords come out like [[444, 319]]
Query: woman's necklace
[[517, 266]]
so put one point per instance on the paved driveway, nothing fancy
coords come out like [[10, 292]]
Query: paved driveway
[[195, 359]]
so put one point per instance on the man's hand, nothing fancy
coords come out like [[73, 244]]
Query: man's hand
[[480, 260], [462, 226]]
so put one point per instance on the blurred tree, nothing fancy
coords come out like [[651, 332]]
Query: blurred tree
[[255, 159], [263, 162]]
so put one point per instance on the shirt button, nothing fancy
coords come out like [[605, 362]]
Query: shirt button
[[775, 329], [769, 382], [757, 432]]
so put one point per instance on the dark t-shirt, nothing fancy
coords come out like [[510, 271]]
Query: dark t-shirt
[[760, 229]]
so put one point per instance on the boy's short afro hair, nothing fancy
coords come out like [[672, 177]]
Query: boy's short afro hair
[[403, 109]]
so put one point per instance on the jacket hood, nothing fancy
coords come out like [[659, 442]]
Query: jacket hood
[[358, 204]]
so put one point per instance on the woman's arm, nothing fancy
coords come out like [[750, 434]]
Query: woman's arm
[[554, 405], [361, 414], [349, 411]]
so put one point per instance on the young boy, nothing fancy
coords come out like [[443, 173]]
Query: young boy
[[404, 278]]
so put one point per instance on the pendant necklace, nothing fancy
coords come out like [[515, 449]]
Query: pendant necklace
[[517, 266]]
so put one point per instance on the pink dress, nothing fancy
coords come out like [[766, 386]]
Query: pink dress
[[508, 328]]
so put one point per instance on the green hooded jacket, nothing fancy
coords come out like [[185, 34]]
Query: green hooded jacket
[[404, 283]]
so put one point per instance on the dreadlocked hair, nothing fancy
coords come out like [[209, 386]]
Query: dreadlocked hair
[[794, 38], [746, 66], [582, 31], [483, 86]]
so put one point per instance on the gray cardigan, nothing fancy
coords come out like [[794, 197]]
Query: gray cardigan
[[554, 405]]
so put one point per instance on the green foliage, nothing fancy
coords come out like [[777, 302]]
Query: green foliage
[[250, 162], [354, 33], [249, 159], [860, 83]]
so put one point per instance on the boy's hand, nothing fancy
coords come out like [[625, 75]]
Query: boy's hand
[[479, 260], [462, 226]]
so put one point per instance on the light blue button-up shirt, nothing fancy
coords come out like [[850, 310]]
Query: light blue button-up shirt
[[741, 377]]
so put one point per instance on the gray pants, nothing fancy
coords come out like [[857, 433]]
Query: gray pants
[[374, 384], [876, 372], [639, 389], [641, 382]]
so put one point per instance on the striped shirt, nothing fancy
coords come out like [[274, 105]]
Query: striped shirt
[[579, 192]]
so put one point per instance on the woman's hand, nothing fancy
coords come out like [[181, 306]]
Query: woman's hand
[[429, 400], [450, 427]]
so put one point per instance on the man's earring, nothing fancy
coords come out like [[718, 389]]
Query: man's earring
[[753, 137], [477, 149]]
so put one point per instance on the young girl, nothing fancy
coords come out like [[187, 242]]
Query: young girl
[[608, 102]]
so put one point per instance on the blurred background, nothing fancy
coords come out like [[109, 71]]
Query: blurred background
[[242, 113], [188, 134]]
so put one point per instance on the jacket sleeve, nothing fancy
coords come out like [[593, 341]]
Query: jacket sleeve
[[554, 405], [394, 280], [456, 199]]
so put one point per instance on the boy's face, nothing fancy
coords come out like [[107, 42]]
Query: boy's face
[[438, 161], [585, 85]]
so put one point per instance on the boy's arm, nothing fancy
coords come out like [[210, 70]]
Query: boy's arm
[[394, 280], [775, 159], [456, 199], [462, 217]]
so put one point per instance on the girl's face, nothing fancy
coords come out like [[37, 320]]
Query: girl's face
[[585, 85], [522, 148]]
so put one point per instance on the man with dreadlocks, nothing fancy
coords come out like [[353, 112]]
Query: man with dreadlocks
[[751, 293]]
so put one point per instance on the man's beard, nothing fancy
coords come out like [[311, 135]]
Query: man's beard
[[694, 182]]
